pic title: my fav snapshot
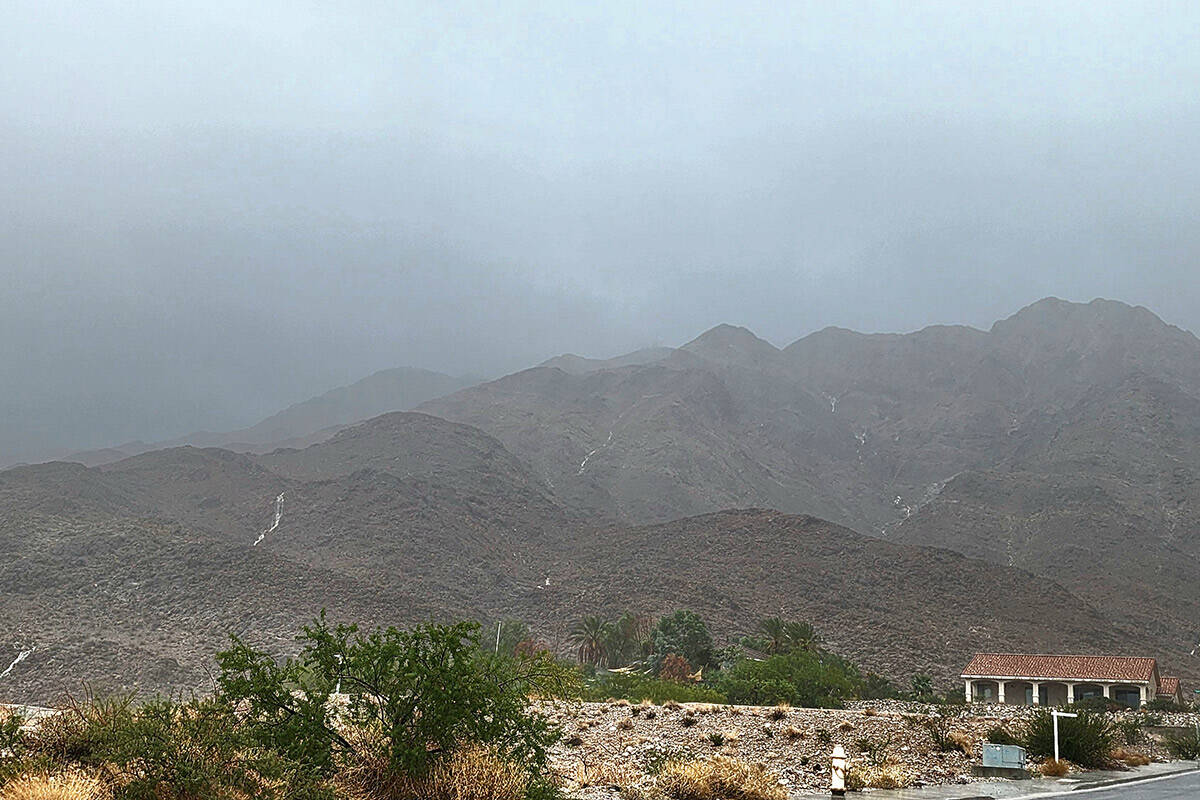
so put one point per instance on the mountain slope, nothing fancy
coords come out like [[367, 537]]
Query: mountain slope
[[314, 420], [1065, 440]]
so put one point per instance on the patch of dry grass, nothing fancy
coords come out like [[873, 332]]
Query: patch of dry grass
[[1054, 769], [473, 773], [68, 786], [606, 773], [879, 776], [719, 778]]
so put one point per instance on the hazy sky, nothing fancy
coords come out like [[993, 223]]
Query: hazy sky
[[212, 210]]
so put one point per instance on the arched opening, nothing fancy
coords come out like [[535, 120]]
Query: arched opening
[[1052, 693], [1127, 695], [1018, 693]]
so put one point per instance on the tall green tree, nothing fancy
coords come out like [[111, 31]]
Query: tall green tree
[[590, 637], [801, 636], [774, 635], [684, 633]]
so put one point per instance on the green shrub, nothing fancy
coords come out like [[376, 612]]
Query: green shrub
[[1169, 706], [1087, 740], [417, 694], [941, 731], [167, 749], [922, 686], [799, 678], [684, 634], [1098, 704], [636, 687], [1184, 746], [1000, 735], [1130, 729]]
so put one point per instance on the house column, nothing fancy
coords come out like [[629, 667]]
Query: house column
[[1070, 693], [1000, 692], [1142, 694], [970, 694], [1037, 693], [1107, 690]]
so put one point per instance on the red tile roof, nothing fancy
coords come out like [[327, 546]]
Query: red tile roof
[[1088, 668], [1168, 685]]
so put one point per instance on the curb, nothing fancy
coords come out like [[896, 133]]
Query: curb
[[1119, 781], [1084, 786]]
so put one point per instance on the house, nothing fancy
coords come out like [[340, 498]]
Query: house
[[1170, 690], [1055, 680]]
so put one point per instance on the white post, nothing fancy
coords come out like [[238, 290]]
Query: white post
[[497, 638], [1107, 690], [969, 697], [1070, 694], [1000, 692], [1037, 694], [1056, 715]]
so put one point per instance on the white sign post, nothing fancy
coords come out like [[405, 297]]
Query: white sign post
[[1056, 715]]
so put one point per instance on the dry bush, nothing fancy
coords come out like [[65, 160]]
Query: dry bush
[[69, 786], [792, 732], [719, 778], [671, 704], [881, 776], [1132, 758], [625, 724], [779, 712], [962, 742], [846, 726], [870, 712], [472, 773], [1054, 769], [688, 721], [622, 703]]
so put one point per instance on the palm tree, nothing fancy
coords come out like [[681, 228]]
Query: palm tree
[[590, 637], [774, 631], [801, 636]]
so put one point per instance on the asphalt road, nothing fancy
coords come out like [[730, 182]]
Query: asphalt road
[[1175, 787]]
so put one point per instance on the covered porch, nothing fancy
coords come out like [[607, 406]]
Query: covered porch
[[1019, 692]]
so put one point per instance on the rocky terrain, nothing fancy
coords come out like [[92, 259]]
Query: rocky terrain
[[132, 575], [615, 744]]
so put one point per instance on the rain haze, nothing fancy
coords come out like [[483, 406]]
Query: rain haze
[[212, 211]]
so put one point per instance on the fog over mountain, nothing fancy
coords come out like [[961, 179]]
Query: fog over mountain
[[213, 212]]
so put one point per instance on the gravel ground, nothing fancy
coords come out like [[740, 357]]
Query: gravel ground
[[608, 744]]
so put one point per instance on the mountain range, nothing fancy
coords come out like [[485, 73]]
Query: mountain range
[[918, 496]]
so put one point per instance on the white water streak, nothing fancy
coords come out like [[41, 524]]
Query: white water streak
[[274, 522], [24, 654]]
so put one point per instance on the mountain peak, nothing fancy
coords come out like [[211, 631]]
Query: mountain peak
[[731, 343], [1053, 313]]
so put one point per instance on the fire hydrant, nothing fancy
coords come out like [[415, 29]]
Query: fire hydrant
[[837, 778]]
